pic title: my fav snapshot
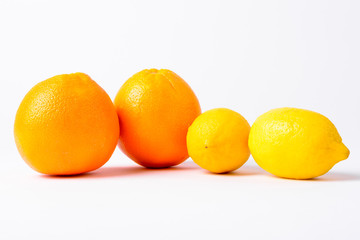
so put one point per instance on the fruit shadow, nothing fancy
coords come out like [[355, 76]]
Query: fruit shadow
[[121, 171], [328, 177], [338, 176], [246, 170], [255, 170]]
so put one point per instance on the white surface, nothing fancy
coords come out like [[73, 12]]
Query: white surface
[[250, 56]]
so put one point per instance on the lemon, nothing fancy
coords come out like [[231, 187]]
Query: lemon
[[218, 140], [296, 143]]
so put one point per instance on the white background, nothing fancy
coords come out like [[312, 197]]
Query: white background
[[250, 56]]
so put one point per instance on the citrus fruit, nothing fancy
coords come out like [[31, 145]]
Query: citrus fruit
[[218, 140], [155, 109], [66, 125], [296, 143]]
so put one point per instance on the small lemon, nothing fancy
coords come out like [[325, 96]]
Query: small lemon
[[218, 140], [296, 143]]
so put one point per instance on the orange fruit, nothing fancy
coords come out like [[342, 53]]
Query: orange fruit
[[66, 125], [155, 109]]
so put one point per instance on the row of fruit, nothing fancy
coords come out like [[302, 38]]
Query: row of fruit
[[68, 125]]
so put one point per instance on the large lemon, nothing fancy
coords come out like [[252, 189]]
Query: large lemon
[[296, 143], [218, 140]]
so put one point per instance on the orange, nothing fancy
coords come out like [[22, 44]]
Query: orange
[[66, 125], [155, 109]]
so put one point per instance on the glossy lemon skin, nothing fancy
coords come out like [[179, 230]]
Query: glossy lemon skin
[[296, 143], [217, 140]]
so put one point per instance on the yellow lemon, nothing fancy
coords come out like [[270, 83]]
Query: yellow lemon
[[218, 140], [296, 143]]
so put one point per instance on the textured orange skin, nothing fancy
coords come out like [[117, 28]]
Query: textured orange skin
[[66, 125], [155, 109]]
